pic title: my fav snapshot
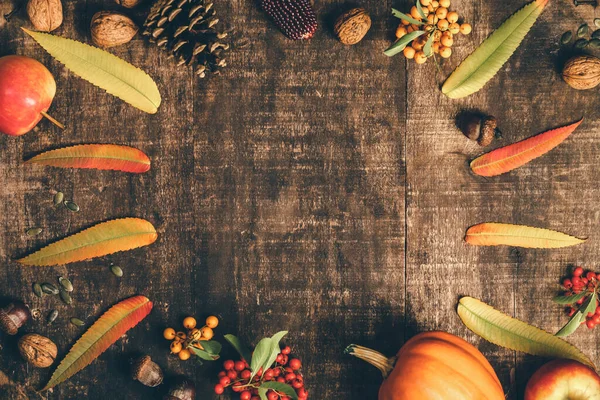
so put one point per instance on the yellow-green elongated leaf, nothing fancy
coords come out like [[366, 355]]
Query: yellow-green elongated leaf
[[497, 234], [99, 240], [481, 66], [100, 336], [103, 69], [503, 330], [588, 307]]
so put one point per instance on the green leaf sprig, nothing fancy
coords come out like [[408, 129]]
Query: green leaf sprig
[[587, 297]]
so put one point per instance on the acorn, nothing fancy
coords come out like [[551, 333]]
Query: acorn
[[480, 128], [181, 389], [296, 19], [13, 316], [146, 371]]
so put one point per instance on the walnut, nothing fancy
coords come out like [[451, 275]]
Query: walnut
[[111, 29], [582, 72], [45, 15], [352, 26], [37, 350], [128, 3]]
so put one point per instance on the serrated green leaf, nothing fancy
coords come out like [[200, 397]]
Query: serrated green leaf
[[403, 16], [261, 354], [481, 66], [103, 69], [569, 299], [274, 348], [239, 346], [420, 9], [427, 49], [503, 330], [401, 43], [280, 387]]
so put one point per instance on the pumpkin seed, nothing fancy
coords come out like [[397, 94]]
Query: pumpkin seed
[[594, 43], [52, 316], [65, 297], [37, 289], [66, 284], [34, 231], [566, 37], [583, 30], [581, 43], [71, 205], [596, 34], [597, 22], [77, 322], [117, 271], [49, 288], [58, 198]]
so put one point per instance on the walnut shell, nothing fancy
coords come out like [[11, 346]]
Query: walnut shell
[[111, 29], [37, 350], [45, 15], [582, 72], [128, 3], [352, 26]]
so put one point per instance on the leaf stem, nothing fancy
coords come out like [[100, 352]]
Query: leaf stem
[[375, 358], [51, 119]]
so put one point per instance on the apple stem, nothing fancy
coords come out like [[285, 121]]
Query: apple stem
[[55, 122]]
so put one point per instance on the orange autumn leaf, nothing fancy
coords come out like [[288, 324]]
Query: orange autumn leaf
[[99, 240], [518, 154], [100, 336], [97, 156], [497, 234]]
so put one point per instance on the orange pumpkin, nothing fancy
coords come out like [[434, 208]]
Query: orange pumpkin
[[434, 366]]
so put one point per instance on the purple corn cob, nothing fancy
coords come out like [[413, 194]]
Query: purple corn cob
[[295, 18]]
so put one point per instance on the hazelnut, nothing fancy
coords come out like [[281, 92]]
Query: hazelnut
[[128, 3], [13, 316], [146, 371], [352, 26], [37, 350], [181, 389], [45, 15], [111, 29], [582, 72]]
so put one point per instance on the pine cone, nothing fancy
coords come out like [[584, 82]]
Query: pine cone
[[187, 29], [295, 18]]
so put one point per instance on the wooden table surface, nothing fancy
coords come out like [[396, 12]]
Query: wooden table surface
[[312, 187]]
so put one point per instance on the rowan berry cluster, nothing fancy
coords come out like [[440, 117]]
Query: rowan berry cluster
[[438, 26], [237, 375], [586, 283], [182, 342]]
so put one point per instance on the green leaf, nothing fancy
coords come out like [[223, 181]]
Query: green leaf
[[274, 348], [420, 9], [403, 16], [427, 49], [401, 43], [203, 354], [280, 387], [503, 330], [481, 66], [569, 299], [212, 347], [103, 69], [262, 392], [260, 356], [239, 346], [578, 317]]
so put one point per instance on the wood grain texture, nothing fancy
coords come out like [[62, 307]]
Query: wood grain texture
[[312, 187]]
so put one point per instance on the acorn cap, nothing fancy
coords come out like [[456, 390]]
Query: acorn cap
[[13, 316], [488, 131], [181, 389], [146, 371]]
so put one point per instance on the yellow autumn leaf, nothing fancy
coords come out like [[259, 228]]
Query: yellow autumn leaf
[[496, 234]]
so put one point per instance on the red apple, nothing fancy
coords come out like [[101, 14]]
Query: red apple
[[26, 92], [563, 380]]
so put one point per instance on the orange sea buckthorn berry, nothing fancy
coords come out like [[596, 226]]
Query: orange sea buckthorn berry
[[452, 17], [454, 28], [445, 3], [447, 41], [436, 47], [184, 354], [400, 32], [425, 2], [181, 335], [430, 8], [442, 24], [435, 4], [207, 333], [195, 334], [437, 35], [405, 22], [410, 29], [441, 13], [418, 44], [420, 58], [189, 322], [409, 52], [465, 29], [431, 19], [445, 52], [175, 347], [212, 322], [169, 334], [415, 13]]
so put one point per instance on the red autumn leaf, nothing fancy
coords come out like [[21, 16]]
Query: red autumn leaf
[[100, 336], [96, 156], [518, 154]]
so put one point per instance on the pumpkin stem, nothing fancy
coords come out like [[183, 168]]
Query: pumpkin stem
[[375, 358]]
